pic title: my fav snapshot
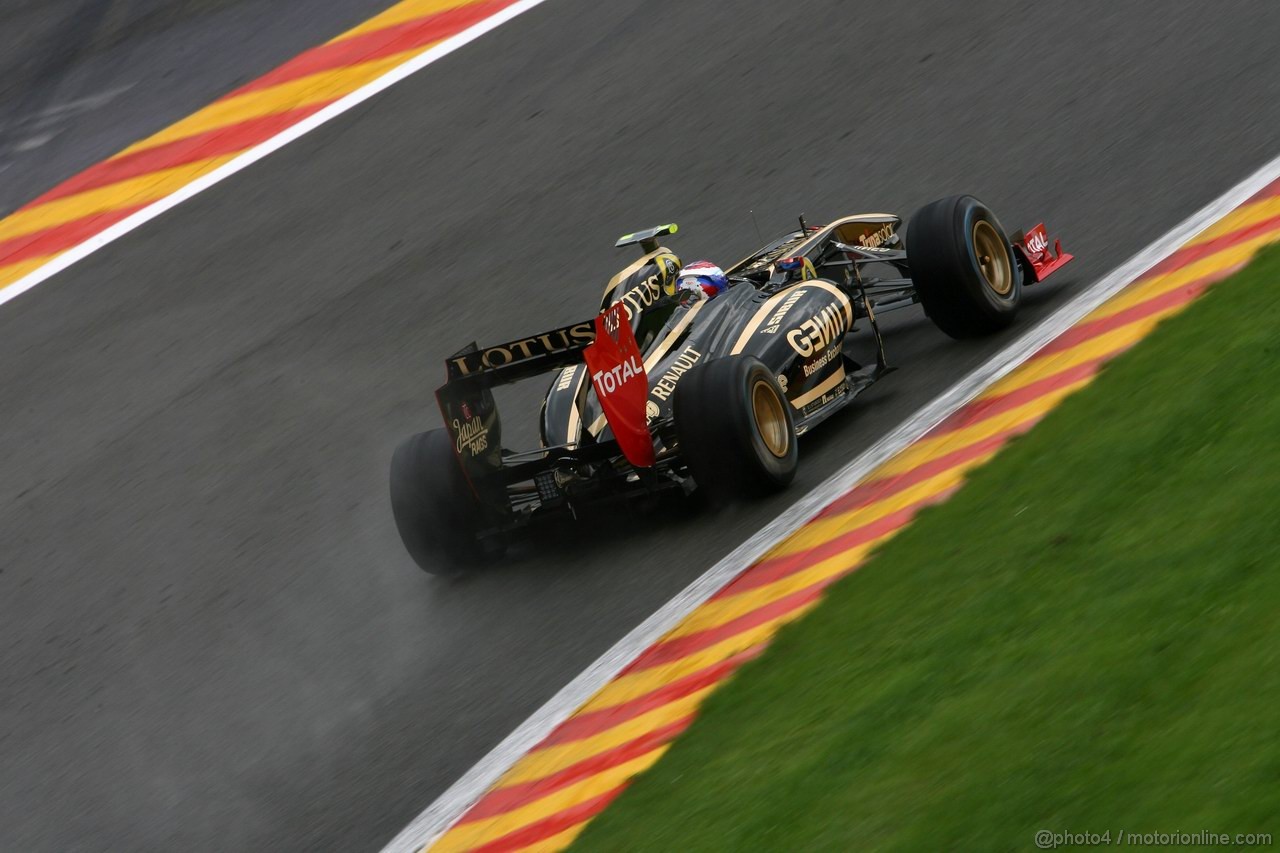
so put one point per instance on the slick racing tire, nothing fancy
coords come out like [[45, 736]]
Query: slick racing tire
[[963, 267], [735, 429], [435, 511]]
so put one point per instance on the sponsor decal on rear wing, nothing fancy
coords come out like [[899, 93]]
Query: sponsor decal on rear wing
[[519, 359]]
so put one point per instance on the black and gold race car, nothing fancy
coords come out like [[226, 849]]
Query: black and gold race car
[[655, 393]]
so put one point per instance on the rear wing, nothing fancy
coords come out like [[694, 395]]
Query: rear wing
[[471, 413], [516, 360], [606, 345]]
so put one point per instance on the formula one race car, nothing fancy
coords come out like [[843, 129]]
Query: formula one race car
[[657, 392]]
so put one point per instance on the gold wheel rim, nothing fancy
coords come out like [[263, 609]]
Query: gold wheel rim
[[993, 257], [771, 419]]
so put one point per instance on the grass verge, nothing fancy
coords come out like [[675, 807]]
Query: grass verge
[[1085, 638]]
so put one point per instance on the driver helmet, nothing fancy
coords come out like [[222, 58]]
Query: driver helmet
[[701, 280]]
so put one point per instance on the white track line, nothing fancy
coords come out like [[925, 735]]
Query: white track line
[[253, 155], [440, 815]]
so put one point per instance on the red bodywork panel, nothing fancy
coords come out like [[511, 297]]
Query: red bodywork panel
[[618, 375], [1038, 260]]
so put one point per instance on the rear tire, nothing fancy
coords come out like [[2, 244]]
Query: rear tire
[[963, 267], [435, 510], [735, 428]]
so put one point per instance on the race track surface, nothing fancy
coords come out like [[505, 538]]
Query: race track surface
[[211, 637], [82, 79]]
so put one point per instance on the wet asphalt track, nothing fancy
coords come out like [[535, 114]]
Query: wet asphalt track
[[210, 636]]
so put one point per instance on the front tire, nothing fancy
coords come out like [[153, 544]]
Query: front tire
[[735, 428], [963, 267], [435, 510]]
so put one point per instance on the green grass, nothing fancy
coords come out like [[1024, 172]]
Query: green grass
[[1085, 638]]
